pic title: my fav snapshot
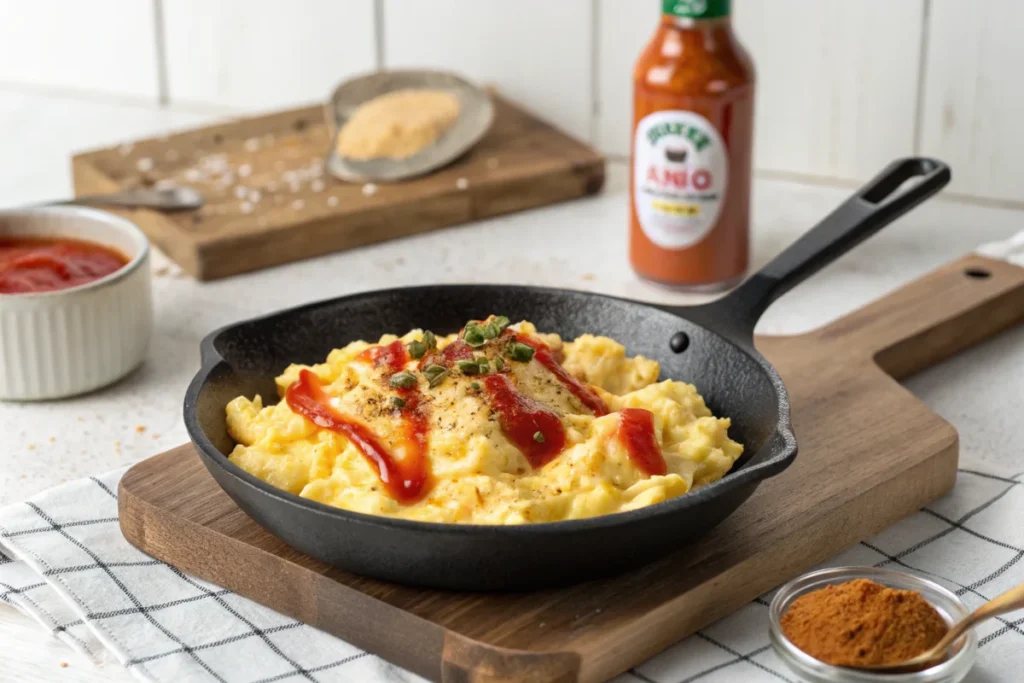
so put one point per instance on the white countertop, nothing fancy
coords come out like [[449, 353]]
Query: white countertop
[[579, 245]]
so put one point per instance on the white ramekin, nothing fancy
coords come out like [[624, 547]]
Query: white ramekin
[[67, 342]]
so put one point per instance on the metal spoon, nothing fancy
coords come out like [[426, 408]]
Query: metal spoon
[[171, 199], [1009, 601]]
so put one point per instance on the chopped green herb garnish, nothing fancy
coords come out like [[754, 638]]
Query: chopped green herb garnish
[[468, 367], [499, 364], [502, 322], [474, 335], [417, 349], [491, 330], [520, 352], [398, 402], [538, 437], [402, 380], [475, 386], [485, 365], [435, 374], [429, 340]]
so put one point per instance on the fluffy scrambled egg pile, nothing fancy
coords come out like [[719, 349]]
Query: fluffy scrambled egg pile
[[478, 472]]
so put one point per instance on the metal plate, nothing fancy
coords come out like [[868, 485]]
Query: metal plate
[[475, 117]]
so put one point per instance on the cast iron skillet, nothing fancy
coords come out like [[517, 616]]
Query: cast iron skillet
[[710, 346]]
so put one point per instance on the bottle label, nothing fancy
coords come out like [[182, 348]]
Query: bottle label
[[680, 172], [696, 9]]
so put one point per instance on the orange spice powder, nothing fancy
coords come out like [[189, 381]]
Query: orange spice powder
[[860, 623]]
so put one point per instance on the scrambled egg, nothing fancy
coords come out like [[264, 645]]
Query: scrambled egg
[[477, 474]]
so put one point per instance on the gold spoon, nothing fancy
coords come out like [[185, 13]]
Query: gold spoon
[[1009, 601]]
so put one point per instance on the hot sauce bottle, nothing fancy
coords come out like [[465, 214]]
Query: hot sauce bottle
[[693, 122]]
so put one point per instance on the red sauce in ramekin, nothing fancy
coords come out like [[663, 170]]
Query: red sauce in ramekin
[[29, 265]]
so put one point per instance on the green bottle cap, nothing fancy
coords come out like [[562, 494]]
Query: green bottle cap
[[696, 9]]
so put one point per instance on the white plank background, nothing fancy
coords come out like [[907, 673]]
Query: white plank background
[[837, 83], [537, 52], [842, 86], [260, 54], [973, 113], [99, 45]]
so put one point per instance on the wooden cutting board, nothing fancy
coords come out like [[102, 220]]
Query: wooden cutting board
[[870, 453], [269, 201]]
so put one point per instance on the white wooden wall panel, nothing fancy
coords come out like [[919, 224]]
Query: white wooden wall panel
[[537, 52], [837, 82], [98, 45], [973, 104], [624, 27], [265, 53]]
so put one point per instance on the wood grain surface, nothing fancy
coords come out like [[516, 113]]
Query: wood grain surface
[[870, 453], [300, 211]]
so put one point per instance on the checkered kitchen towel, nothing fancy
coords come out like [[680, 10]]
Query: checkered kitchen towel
[[65, 563]]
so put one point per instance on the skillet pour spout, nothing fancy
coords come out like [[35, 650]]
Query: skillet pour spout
[[710, 346]]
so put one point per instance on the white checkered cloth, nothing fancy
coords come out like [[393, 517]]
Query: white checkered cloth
[[65, 563]]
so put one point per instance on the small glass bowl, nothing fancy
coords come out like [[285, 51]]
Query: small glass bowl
[[810, 669]]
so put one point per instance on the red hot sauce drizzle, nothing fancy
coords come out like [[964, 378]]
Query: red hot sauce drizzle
[[529, 424], [544, 356], [636, 432], [405, 479], [446, 357], [394, 356]]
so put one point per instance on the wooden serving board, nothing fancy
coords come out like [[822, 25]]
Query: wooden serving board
[[269, 201], [870, 453]]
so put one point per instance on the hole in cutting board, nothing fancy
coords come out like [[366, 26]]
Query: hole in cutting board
[[977, 273]]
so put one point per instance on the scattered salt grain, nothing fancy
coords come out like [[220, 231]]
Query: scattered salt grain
[[317, 185], [125, 149], [369, 189], [462, 183], [252, 144], [193, 175], [144, 164], [241, 192], [255, 196], [245, 207], [244, 170], [332, 201], [298, 205]]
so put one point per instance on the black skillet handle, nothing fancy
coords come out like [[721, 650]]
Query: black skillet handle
[[869, 210]]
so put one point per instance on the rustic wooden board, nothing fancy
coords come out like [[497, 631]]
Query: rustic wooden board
[[301, 211], [870, 453]]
